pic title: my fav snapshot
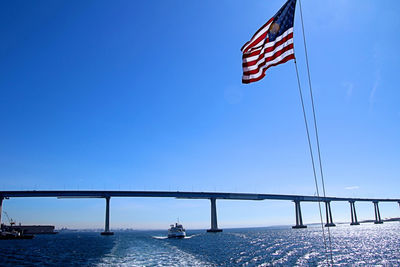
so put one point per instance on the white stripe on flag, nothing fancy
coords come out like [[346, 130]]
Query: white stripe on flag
[[269, 44], [265, 29], [260, 72], [267, 55]]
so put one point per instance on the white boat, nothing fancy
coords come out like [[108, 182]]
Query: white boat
[[176, 231]]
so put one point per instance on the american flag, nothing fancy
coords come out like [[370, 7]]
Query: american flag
[[271, 45]]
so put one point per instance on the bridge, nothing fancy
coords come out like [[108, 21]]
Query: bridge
[[212, 196]]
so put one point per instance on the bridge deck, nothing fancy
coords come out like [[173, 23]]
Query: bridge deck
[[178, 194]]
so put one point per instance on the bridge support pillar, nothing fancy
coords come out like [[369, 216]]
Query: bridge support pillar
[[354, 220], [378, 219], [299, 219], [329, 220], [214, 223], [1, 208], [107, 223]]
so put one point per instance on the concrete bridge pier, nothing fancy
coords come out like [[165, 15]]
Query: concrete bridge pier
[[354, 220], [329, 220], [214, 223], [107, 223], [1, 207], [378, 219], [299, 219]]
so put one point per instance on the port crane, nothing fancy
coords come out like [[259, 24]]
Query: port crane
[[10, 220]]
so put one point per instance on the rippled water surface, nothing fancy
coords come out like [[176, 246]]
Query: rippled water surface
[[367, 244]]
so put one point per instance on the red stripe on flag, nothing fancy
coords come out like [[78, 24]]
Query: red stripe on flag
[[289, 57], [267, 50], [266, 60], [251, 42]]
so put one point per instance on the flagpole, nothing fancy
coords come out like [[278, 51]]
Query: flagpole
[[314, 119], [312, 158], [272, 45]]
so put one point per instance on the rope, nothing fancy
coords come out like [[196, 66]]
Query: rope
[[315, 122], [312, 159]]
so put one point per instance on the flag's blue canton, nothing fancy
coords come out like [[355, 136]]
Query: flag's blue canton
[[284, 19]]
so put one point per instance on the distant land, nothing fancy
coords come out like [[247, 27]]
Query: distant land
[[395, 219]]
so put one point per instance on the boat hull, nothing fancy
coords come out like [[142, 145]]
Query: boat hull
[[6, 236], [32, 229], [176, 236]]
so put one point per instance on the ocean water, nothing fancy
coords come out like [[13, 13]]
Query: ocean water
[[367, 244]]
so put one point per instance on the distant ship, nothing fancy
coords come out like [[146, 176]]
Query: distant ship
[[176, 231], [26, 229], [8, 232], [8, 235], [29, 229]]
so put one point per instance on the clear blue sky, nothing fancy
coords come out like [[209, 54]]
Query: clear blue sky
[[147, 95]]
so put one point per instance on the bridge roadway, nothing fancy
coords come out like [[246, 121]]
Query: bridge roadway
[[212, 196], [179, 194]]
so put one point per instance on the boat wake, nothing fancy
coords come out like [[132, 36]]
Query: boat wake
[[190, 236], [166, 237], [160, 237]]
